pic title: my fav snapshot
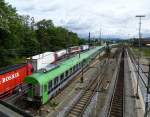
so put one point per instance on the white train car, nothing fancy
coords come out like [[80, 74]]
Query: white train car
[[61, 53], [84, 47], [41, 61]]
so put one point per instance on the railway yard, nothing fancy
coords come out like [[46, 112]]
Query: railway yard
[[93, 83], [75, 58]]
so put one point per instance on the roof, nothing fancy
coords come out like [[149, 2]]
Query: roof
[[11, 68], [42, 55], [42, 78]]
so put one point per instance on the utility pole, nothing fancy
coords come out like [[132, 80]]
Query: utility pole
[[140, 17], [89, 39], [67, 44], [81, 79], [32, 23], [100, 37]]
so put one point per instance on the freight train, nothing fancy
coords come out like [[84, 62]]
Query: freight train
[[46, 85], [11, 78], [43, 74]]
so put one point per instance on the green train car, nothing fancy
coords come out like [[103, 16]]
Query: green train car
[[45, 85]]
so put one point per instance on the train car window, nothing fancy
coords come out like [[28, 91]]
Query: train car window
[[55, 81], [70, 71], [83, 62], [50, 85], [79, 65], [74, 68], [61, 77], [37, 90], [66, 73]]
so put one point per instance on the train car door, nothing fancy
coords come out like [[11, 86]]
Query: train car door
[[37, 90], [45, 93]]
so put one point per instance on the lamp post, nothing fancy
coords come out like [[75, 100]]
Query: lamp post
[[140, 17]]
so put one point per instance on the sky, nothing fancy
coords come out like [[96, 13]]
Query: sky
[[113, 18]]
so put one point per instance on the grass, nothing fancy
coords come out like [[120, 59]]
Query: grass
[[145, 51]]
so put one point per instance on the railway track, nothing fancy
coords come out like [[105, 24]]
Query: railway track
[[135, 63], [116, 108], [83, 101], [16, 98], [18, 94]]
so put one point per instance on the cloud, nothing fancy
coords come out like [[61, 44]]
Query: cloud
[[114, 17]]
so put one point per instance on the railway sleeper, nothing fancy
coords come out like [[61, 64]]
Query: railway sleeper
[[84, 100], [117, 100], [119, 91], [77, 110], [86, 97], [80, 105], [116, 96], [72, 115], [87, 92], [75, 113], [83, 103], [117, 104], [117, 111], [117, 108], [114, 114]]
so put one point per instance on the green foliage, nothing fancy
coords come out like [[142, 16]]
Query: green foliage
[[21, 37], [144, 51]]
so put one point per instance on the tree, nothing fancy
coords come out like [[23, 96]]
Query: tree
[[21, 37]]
